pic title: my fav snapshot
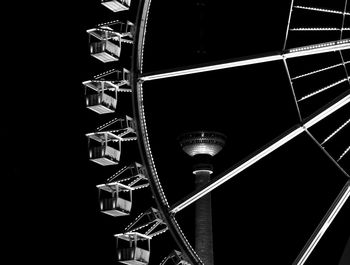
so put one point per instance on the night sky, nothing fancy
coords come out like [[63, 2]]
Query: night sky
[[263, 215]]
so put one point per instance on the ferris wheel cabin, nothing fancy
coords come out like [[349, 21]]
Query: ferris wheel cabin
[[110, 36], [115, 199], [102, 95], [116, 5], [133, 248], [106, 50], [104, 148]]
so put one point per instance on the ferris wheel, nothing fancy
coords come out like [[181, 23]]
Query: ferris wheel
[[315, 60]]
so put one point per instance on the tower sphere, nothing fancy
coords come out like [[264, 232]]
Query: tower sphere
[[202, 142]]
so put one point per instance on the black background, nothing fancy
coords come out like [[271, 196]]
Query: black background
[[265, 214]]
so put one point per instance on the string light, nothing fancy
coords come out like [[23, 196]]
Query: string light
[[163, 261], [319, 70], [160, 232], [322, 10], [335, 132], [152, 228], [127, 41], [113, 22], [314, 29], [343, 154], [323, 89], [135, 181], [117, 173], [141, 186], [321, 45], [131, 224], [106, 73], [108, 123]]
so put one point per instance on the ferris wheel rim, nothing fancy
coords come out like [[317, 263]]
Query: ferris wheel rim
[[137, 79], [142, 139]]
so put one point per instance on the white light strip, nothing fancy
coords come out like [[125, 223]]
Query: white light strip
[[260, 58], [239, 169], [318, 48], [319, 70], [314, 29], [322, 10], [336, 131], [323, 89], [334, 210], [273, 146], [219, 66], [343, 154]]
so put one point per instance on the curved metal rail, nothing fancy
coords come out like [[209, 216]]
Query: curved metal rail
[[141, 129], [137, 79]]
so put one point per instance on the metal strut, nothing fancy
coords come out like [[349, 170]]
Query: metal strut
[[264, 151], [342, 197], [150, 223], [133, 176], [124, 128], [331, 46]]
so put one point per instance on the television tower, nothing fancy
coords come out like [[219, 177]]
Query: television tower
[[202, 146]]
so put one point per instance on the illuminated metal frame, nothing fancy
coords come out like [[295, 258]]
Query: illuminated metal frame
[[137, 79], [248, 60]]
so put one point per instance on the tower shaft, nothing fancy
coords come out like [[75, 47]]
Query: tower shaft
[[203, 221], [202, 146]]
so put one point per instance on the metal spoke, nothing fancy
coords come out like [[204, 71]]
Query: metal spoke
[[318, 48], [324, 224], [248, 60], [218, 65], [318, 70], [269, 148], [323, 89], [292, 88]]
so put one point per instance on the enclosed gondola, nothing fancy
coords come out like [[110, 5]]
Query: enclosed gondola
[[104, 148], [133, 248], [115, 198], [116, 5]]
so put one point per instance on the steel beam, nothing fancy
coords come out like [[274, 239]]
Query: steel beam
[[264, 151], [248, 60]]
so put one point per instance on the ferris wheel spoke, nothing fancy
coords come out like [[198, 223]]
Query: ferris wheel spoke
[[324, 47], [248, 60], [264, 151], [217, 65], [323, 225]]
